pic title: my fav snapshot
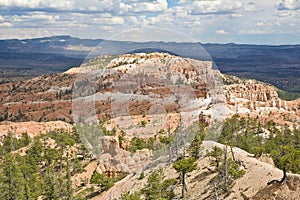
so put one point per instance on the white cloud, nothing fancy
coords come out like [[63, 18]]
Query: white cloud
[[94, 5], [106, 28], [5, 24], [222, 32], [250, 7], [236, 15], [125, 7], [252, 32], [149, 6], [21, 33], [289, 5], [61, 5], [233, 19], [285, 14], [133, 20], [87, 6], [38, 4], [215, 6], [179, 11], [266, 23], [34, 17], [44, 16], [109, 20]]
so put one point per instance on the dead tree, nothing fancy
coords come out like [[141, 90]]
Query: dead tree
[[281, 180]]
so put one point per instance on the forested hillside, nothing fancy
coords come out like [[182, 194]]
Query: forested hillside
[[47, 165]]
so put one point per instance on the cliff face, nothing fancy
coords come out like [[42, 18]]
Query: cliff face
[[250, 97], [252, 92], [253, 96], [157, 83], [147, 96], [41, 99]]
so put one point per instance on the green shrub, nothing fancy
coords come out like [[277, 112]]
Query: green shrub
[[131, 196]]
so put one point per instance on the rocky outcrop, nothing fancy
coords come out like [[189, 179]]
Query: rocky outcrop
[[200, 182], [166, 79], [249, 97], [113, 158], [253, 95]]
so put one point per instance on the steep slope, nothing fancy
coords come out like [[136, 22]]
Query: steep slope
[[49, 98], [140, 100], [200, 183], [257, 99]]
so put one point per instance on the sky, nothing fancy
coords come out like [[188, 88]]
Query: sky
[[207, 21]]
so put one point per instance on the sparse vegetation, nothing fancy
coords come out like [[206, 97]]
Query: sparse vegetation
[[282, 143], [184, 166], [131, 196], [137, 143], [104, 181], [158, 187], [49, 166], [227, 171]]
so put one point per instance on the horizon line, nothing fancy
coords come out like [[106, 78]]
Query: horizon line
[[180, 42]]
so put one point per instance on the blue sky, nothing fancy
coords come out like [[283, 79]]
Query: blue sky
[[207, 21]]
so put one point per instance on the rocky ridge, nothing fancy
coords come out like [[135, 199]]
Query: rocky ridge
[[253, 185], [49, 98], [152, 107]]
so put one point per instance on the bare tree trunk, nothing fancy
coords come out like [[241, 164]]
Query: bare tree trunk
[[281, 180], [232, 153], [183, 185], [284, 175], [169, 145], [225, 166]]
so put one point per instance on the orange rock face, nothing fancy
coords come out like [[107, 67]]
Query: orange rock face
[[49, 98]]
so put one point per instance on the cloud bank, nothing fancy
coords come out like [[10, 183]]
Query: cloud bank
[[241, 21]]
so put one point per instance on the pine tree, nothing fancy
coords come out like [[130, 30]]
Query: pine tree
[[50, 185], [31, 184], [11, 185], [68, 184], [157, 187], [131, 196], [196, 144], [184, 166]]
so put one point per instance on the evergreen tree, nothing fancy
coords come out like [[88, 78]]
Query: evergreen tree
[[35, 153], [196, 144], [69, 190], [157, 187], [50, 185], [184, 166], [31, 185], [216, 153], [131, 196], [11, 185]]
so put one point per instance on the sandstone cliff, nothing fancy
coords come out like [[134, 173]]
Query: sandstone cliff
[[49, 98]]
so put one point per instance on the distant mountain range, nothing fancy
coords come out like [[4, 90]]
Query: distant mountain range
[[278, 65]]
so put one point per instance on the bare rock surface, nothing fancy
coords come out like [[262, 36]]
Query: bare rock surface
[[253, 185]]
